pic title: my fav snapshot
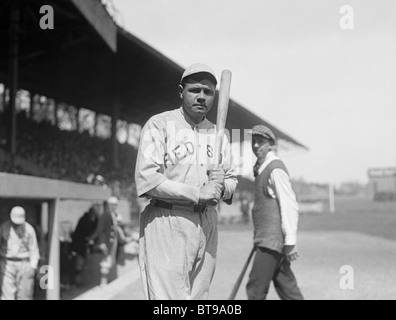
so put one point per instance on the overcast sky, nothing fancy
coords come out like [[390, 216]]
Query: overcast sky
[[332, 89]]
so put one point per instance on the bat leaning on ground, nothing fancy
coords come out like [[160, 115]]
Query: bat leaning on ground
[[240, 278], [222, 111]]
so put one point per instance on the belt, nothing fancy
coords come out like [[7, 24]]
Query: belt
[[198, 208], [15, 259]]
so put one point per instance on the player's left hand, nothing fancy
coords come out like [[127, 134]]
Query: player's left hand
[[291, 253]]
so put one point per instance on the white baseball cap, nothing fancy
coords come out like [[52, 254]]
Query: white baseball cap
[[112, 200], [199, 68], [18, 215]]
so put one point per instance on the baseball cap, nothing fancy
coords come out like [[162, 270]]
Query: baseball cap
[[18, 215], [264, 131], [199, 68], [112, 200]]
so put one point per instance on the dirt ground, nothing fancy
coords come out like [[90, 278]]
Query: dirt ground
[[318, 270], [360, 236]]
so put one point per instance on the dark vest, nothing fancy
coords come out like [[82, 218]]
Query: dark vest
[[266, 212]]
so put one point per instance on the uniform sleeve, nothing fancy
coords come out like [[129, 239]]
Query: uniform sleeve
[[230, 181], [287, 203], [175, 190], [33, 248], [150, 159]]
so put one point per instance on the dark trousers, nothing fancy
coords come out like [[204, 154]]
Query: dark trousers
[[270, 266]]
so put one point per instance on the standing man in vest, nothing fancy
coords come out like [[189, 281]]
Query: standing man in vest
[[178, 229], [19, 257], [275, 218]]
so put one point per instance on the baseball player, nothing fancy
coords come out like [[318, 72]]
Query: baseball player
[[175, 169], [19, 257], [275, 218]]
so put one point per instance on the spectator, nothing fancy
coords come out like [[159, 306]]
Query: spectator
[[85, 228], [107, 240]]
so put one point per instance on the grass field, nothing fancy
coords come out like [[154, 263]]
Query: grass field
[[352, 214], [355, 214], [360, 234]]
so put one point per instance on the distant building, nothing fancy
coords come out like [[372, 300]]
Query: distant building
[[352, 189], [382, 183], [311, 197], [310, 192]]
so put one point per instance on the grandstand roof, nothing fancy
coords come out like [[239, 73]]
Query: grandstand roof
[[80, 63]]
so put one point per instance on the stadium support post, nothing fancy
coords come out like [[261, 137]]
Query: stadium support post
[[31, 105], [331, 198], [114, 140], [56, 108], [78, 120], [13, 78], [95, 128], [53, 293], [4, 98], [44, 226], [114, 118]]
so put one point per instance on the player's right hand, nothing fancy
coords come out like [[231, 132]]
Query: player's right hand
[[211, 191], [217, 174]]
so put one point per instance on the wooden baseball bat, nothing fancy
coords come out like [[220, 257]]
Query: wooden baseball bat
[[240, 278], [222, 111]]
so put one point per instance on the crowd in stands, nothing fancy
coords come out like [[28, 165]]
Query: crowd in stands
[[67, 155]]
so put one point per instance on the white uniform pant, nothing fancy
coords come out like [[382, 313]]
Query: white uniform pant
[[17, 282], [177, 253]]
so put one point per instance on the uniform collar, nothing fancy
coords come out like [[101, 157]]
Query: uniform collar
[[188, 119], [270, 156]]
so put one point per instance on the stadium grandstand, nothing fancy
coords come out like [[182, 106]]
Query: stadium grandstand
[[72, 101]]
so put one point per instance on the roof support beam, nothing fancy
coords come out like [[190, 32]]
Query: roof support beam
[[115, 108], [100, 20]]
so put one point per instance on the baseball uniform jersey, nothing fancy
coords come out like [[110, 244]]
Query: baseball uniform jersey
[[177, 247], [173, 149]]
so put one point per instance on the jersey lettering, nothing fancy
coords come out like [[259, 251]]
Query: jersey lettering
[[182, 151], [210, 151]]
